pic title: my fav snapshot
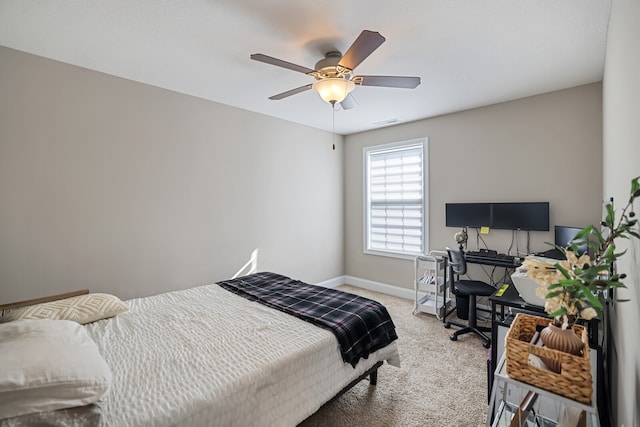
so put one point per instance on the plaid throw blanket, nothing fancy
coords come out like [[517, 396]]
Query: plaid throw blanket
[[361, 325]]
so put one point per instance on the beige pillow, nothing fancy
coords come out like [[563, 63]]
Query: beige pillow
[[82, 309], [47, 365]]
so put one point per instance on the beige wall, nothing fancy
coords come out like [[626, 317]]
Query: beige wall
[[621, 104], [116, 186], [543, 148]]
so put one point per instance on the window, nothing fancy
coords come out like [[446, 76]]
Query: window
[[395, 194]]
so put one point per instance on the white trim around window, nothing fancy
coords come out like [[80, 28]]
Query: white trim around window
[[396, 198]]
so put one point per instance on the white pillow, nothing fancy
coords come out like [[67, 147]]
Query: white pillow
[[47, 365], [82, 309]]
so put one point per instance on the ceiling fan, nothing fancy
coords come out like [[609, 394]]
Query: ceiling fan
[[333, 74]]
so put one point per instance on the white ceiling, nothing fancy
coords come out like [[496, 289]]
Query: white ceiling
[[469, 53]]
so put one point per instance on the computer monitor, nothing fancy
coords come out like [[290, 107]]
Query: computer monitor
[[473, 215], [563, 235], [533, 216]]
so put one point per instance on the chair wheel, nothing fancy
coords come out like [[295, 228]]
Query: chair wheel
[[453, 337], [447, 325], [486, 344]]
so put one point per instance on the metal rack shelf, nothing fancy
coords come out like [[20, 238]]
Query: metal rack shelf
[[430, 285], [522, 404]]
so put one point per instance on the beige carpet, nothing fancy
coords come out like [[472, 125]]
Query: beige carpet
[[441, 383]]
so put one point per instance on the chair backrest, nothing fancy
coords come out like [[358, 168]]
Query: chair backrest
[[457, 262]]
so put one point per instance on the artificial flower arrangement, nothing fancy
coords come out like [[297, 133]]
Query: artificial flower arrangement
[[578, 286]]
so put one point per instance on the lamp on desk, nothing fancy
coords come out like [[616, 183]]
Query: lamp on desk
[[461, 238]]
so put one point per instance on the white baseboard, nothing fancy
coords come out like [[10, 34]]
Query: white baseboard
[[389, 290], [332, 283], [370, 285]]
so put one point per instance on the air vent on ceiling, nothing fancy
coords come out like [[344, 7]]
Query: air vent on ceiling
[[387, 122]]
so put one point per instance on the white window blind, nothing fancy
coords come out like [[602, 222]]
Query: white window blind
[[395, 198]]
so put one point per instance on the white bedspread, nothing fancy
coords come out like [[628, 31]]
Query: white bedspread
[[204, 356]]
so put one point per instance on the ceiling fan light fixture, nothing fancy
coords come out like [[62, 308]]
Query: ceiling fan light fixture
[[333, 90]]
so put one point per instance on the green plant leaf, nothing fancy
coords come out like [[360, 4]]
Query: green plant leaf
[[586, 292], [635, 186], [609, 251], [595, 232], [554, 294], [562, 270], [599, 305], [611, 216], [558, 313]]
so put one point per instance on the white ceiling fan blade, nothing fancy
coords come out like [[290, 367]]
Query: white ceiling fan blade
[[387, 81], [280, 63], [349, 102], [362, 47], [290, 92]]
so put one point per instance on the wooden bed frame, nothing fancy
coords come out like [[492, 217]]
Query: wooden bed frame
[[42, 300]]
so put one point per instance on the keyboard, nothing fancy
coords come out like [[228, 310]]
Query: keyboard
[[505, 257], [489, 255]]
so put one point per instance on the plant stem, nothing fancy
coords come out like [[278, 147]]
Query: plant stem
[[615, 232]]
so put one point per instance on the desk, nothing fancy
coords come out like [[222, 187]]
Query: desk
[[510, 298], [508, 266]]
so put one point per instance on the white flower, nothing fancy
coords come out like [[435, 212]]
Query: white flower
[[546, 274], [588, 313]]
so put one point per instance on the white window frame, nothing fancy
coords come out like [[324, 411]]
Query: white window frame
[[377, 149]]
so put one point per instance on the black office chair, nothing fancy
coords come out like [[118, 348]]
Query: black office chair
[[466, 292]]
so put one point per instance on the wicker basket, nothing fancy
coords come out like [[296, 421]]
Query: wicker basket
[[574, 380]]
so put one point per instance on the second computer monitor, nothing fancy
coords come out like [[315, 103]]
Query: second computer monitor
[[474, 215], [532, 216], [564, 235]]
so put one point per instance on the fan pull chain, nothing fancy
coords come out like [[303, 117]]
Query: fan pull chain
[[333, 127]]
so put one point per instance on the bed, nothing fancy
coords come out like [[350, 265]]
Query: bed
[[212, 355]]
